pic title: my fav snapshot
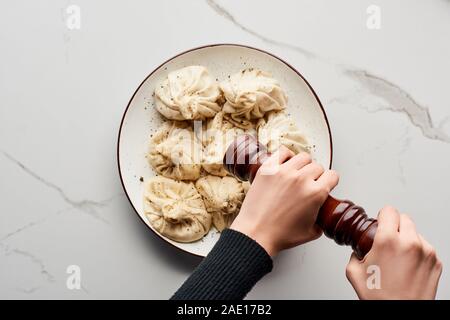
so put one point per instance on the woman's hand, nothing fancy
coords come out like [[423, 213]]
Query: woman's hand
[[401, 263], [281, 207]]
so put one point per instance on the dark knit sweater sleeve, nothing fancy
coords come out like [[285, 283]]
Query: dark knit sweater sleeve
[[229, 271]]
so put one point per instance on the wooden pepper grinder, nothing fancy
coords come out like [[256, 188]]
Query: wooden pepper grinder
[[341, 220]]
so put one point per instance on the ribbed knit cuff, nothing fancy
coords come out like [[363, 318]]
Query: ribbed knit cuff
[[229, 271]]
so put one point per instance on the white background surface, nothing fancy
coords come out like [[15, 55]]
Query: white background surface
[[62, 94]]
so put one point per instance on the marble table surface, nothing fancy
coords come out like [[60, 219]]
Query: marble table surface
[[63, 91]]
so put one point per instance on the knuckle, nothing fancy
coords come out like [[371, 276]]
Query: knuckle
[[319, 198], [319, 168], [300, 177], [323, 192], [431, 253], [407, 217], [306, 156], [284, 173], [310, 188], [417, 245], [334, 174], [404, 216], [414, 246], [385, 239], [350, 271], [388, 208], [319, 191], [439, 265]]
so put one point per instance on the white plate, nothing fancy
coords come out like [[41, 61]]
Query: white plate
[[141, 119]]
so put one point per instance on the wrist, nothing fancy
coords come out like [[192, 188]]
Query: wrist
[[259, 236]]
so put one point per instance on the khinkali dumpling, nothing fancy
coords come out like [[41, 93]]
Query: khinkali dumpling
[[278, 130], [175, 152], [176, 209], [217, 136], [249, 95], [188, 94], [223, 197]]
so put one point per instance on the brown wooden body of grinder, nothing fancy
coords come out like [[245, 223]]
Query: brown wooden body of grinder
[[341, 220]]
